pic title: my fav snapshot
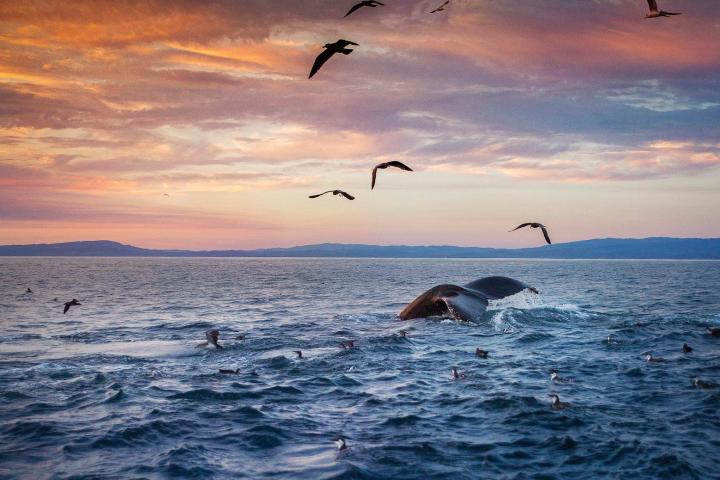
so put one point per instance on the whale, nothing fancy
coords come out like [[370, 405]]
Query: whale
[[467, 303]]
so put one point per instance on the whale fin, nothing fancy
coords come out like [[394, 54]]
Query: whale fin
[[495, 288], [466, 305], [458, 302]]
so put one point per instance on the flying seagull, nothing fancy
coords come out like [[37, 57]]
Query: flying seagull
[[212, 339], [654, 13], [330, 50], [385, 165], [441, 8], [69, 304], [535, 225], [364, 3], [334, 192]]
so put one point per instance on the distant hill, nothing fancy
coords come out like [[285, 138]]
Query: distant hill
[[605, 248]]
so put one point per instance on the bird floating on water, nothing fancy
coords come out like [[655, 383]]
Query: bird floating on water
[[228, 371], [347, 344], [457, 375], [703, 384], [686, 348], [650, 359], [557, 404], [555, 377], [714, 331], [535, 225], [441, 8], [29, 290], [71, 303], [298, 353], [340, 443], [212, 339], [331, 49], [655, 13], [479, 352], [334, 192], [383, 166], [364, 3]]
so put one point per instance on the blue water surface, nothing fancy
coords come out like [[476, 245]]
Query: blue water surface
[[116, 388]]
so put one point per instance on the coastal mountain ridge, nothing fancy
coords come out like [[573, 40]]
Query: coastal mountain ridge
[[604, 248]]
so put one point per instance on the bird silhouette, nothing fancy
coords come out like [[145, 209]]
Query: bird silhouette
[[535, 225], [655, 13], [334, 192], [383, 166], [69, 304], [441, 8], [331, 49], [364, 3]]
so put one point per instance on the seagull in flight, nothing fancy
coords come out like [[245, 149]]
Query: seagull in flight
[[334, 192], [441, 8], [364, 3], [69, 304], [385, 165], [654, 13], [535, 225], [330, 49]]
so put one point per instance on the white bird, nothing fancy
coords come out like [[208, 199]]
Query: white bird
[[212, 339], [655, 13]]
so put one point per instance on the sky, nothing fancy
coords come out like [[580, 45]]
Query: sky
[[192, 124]]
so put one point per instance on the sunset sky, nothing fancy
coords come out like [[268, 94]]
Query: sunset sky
[[580, 114]]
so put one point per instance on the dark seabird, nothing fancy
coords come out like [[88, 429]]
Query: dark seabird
[[28, 291], [555, 377], [557, 404], [441, 8], [655, 13], [330, 49], [457, 375], [403, 333], [212, 339], [703, 384], [240, 337], [55, 299], [341, 445], [233, 372], [71, 303], [714, 331], [650, 359], [687, 348], [298, 353], [535, 225], [364, 3], [334, 192], [347, 344], [383, 166], [479, 352]]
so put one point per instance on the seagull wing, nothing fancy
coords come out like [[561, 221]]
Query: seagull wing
[[653, 5], [347, 195], [441, 7], [345, 43], [400, 165], [520, 226], [355, 7], [67, 307], [545, 234], [320, 61], [374, 174], [319, 194]]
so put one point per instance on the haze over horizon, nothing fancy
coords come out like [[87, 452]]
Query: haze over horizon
[[581, 115]]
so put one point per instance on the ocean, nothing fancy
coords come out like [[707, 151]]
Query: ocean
[[116, 388]]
